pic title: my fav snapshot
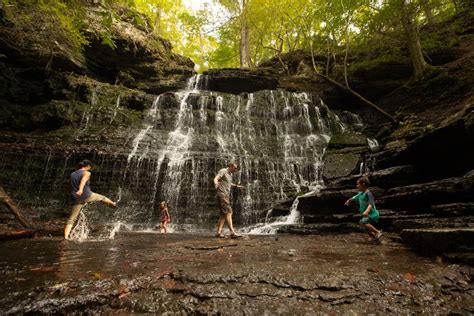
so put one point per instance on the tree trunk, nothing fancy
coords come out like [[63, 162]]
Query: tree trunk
[[245, 60], [328, 61], [278, 52], [5, 199], [428, 9], [352, 92], [455, 3], [313, 61], [413, 41], [346, 53], [334, 58], [157, 25], [360, 98], [346, 80]]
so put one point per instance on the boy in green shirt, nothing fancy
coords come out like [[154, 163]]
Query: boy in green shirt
[[367, 208]]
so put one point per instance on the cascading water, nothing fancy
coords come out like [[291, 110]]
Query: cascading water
[[271, 227], [277, 137], [177, 146], [373, 144]]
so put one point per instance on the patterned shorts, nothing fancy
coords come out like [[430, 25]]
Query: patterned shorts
[[224, 204]]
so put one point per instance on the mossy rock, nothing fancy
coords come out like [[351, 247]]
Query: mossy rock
[[339, 164], [409, 128], [395, 144], [383, 67], [347, 140]]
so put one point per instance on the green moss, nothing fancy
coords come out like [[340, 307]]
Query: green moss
[[410, 127], [368, 64], [432, 41], [61, 22], [347, 140]]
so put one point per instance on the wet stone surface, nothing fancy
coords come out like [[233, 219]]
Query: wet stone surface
[[178, 273]]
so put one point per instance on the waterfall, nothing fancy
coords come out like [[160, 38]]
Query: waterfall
[[177, 146], [88, 113], [271, 227], [151, 117], [277, 137], [117, 105], [373, 144]]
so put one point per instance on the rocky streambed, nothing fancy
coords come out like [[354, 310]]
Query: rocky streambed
[[197, 274]]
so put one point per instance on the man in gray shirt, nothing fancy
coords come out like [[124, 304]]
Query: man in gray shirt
[[223, 184]]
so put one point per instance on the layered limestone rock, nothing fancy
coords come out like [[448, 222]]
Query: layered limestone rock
[[175, 145], [417, 200]]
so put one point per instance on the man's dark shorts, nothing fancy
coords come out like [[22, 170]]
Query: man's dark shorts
[[224, 204]]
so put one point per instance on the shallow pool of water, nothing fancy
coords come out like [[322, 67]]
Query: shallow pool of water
[[33, 270]]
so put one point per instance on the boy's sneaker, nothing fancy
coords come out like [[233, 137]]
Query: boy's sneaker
[[379, 235]]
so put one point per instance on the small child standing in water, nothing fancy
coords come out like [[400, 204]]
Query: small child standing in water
[[165, 217], [365, 199]]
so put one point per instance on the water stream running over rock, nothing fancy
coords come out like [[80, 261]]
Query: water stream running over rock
[[278, 138]]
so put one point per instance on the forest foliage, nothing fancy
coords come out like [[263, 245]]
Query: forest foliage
[[244, 33]]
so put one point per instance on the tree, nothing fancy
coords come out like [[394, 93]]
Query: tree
[[427, 6], [240, 12], [412, 38], [245, 59], [257, 30]]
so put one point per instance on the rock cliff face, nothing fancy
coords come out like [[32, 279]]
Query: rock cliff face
[[154, 131], [46, 84], [60, 103], [174, 151]]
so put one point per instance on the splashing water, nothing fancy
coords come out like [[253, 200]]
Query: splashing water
[[81, 231], [115, 229]]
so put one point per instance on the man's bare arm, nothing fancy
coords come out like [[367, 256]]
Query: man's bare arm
[[216, 181], [85, 177]]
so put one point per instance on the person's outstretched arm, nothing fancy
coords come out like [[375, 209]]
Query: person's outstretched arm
[[85, 177], [238, 186]]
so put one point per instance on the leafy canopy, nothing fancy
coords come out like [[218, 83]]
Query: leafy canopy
[[210, 35]]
